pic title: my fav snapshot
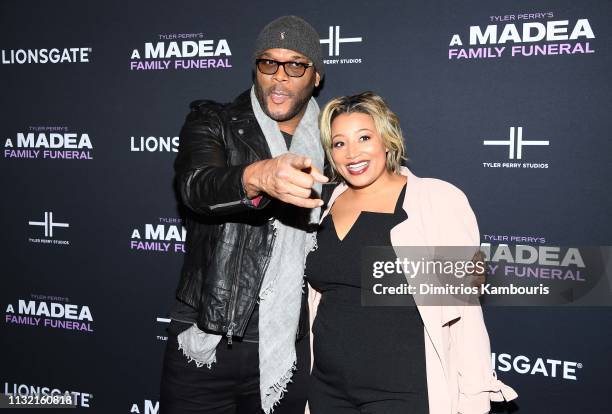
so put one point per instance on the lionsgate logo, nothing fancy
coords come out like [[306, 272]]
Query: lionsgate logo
[[145, 407], [522, 35], [45, 311], [337, 45], [166, 236], [182, 51], [79, 398], [42, 56], [49, 142], [516, 147], [154, 144], [48, 227], [529, 365]]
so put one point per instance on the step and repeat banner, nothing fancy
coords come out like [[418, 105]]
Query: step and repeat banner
[[510, 101]]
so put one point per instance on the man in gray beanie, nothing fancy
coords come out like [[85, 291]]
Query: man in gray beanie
[[249, 173]]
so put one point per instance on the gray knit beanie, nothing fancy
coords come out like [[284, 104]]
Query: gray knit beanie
[[293, 33]]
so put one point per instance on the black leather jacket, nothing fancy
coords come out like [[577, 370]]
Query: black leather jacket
[[229, 239]]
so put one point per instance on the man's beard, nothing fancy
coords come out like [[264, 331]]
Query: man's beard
[[300, 100]]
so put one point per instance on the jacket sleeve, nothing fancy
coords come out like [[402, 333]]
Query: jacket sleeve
[[205, 182], [477, 382]]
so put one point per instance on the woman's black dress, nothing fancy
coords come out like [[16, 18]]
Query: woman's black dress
[[367, 359]]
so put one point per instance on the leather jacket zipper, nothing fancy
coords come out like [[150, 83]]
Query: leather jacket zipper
[[232, 301], [265, 268], [230, 331]]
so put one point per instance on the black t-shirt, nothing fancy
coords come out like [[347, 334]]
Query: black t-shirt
[[287, 138]]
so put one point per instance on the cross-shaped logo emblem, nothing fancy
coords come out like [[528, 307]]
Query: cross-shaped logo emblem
[[515, 143], [48, 224]]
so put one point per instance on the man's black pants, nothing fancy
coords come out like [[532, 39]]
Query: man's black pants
[[231, 385]]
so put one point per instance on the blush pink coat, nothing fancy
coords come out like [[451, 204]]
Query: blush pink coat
[[460, 378]]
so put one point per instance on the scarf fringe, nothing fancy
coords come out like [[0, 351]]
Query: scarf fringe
[[279, 389], [190, 358]]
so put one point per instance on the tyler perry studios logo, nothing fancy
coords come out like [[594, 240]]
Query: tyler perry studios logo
[[515, 150], [334, 41], [47, 228], [162, 323], [182, 51]]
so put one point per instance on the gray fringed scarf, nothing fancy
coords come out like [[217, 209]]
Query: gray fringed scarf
[[281, 290]]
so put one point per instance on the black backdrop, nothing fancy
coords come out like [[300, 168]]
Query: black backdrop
[[71, 227]]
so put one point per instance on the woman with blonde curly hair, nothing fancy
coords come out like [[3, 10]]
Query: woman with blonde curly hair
[[390, 359]]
